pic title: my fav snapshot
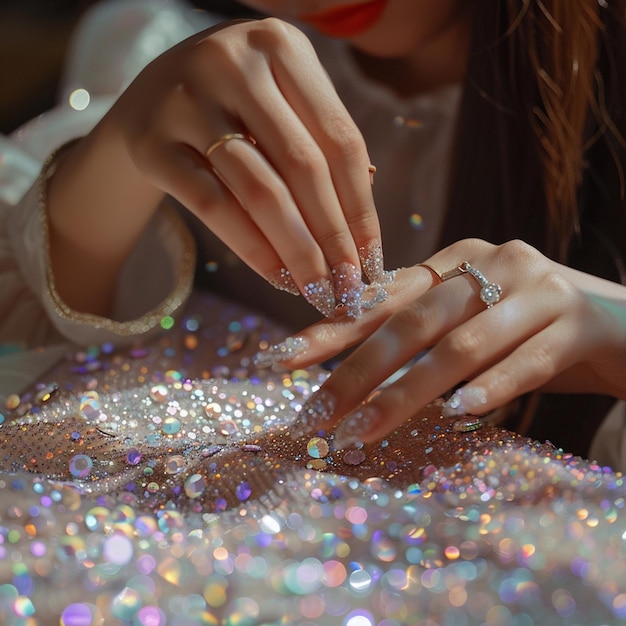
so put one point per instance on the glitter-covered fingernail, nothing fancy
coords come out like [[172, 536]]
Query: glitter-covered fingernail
[[373, 295], [348, 289], [283, 281], [356, 425], [321, 295], [371, 257], [315, 414], [280, 352], [465, 401]]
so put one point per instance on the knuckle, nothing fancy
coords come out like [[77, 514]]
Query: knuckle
[[464, 343], [415, 315], [274, 35], [355, 371], [404, 399], [539, 359], [333, 240], [258, 195], [505, 381], [305, 161], [519, 254], [559, 286], [342, 137]]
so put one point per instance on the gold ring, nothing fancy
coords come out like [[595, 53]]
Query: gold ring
[[436, 275], [372, 170], [224, 138], [490, 293]]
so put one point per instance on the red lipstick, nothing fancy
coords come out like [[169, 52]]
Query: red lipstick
[[347, 21]]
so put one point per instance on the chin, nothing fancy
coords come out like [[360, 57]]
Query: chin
[[381, 46]]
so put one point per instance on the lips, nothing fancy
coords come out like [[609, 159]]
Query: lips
[[347, 21]]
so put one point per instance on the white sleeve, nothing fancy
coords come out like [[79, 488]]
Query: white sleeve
[[147, 291]]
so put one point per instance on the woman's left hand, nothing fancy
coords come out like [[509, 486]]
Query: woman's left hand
[[553, 328]]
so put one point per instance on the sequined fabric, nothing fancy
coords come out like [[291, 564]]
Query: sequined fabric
[[160, 484]]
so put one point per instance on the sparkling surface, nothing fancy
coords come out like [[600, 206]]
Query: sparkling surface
[[148, 491]]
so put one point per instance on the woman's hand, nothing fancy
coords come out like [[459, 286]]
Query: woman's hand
[[290, 194], [553, 328]]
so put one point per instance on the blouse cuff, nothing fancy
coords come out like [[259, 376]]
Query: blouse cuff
[[143, 298]]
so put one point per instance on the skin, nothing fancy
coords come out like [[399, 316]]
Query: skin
[[554, 328], [254, 198]]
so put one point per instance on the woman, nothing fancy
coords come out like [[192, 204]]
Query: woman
[[143, 495]]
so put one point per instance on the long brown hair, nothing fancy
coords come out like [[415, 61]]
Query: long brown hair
[[562, 41], [543, 86]]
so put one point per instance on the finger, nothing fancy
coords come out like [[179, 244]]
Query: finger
[[494, 336], [343, 147], [323, 340], [531, 365], [173, 158], [268, 203], [181, 172], [316, 147]]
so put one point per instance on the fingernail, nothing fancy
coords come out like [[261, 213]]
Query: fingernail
[[315, 414], [373, 295], [280, 352], [356, 425], [371, 257], [465, 401], [321, 295], [348, 289], [283, 281]]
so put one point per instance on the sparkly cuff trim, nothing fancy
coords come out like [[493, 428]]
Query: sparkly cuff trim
[[152, 319]]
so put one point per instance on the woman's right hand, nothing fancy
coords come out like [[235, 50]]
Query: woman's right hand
[[296, 206]]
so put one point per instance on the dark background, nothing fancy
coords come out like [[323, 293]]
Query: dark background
[[34, 35]]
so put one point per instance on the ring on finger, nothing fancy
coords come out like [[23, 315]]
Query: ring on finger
[[435, 274], [490, 293], [220, 141]]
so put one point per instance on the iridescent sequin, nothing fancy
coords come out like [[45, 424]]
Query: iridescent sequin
[[148, 494]]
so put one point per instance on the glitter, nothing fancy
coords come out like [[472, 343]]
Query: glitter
[[174, 464], [318, 448], [468, 424], [359, 618], [320, 294], [23, 607], [133, 457], [222, 522], [195, 486], [80, 466], [118, 550], [171, 425], [126, 604], [152, 616], [80, 615], [243, 491], [167, 322], [46, 393], [159, 393], [12, 402], [360, 580], [353, 457], [211, 266]]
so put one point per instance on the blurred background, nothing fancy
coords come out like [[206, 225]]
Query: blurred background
[[34, 35]]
